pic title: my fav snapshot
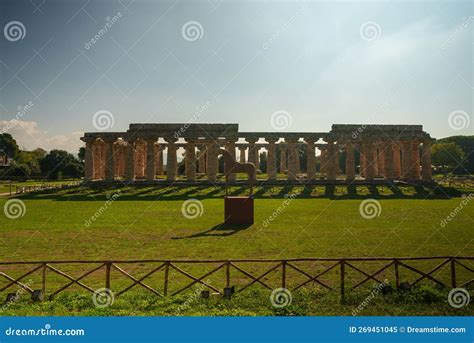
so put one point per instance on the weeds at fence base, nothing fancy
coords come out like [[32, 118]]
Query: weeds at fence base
[[420, 300]]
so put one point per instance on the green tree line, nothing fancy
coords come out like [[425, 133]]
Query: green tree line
[[56, 164]]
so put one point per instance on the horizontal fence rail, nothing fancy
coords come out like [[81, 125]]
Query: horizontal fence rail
[[238, 275]]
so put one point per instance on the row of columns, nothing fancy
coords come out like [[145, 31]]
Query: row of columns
[[391, 160]]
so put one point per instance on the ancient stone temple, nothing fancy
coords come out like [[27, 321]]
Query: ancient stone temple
[[372, 152]]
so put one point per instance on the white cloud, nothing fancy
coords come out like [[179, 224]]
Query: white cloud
[[30, 136]]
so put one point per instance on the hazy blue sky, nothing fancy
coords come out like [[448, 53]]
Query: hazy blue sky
[[322, 62]]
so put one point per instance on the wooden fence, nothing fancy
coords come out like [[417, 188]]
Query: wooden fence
[[230, 270], [41, 187]]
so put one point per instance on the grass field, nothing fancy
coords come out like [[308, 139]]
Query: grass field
[[148, 223]]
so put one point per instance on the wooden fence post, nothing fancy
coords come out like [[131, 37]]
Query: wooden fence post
[[283, 274], [227, 275], [343, 286], [107, 274], [43, 281], [453, 272], [167, 270], [397, 274]]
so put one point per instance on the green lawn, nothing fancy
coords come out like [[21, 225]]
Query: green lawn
[[147, 223]]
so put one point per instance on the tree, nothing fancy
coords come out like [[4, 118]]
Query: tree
[[447, 156], [60, 163], [8, 145], [30, 159], [18, 170], [82, 154], [466, 143]]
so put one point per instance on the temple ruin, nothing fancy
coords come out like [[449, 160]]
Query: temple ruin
[[384, 152]]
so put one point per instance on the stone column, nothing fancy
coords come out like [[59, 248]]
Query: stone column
[[159, 159], [140, 156], [426, 161], [150, 159], [89, 162], [190, 160], [109, 160], [415, 151], [257, 157], [242, 154], [291, 149], [271, 159], [252, 152], [98, 155], [212, 161], [323, 160], [298, 162], [130, 161], [311, 159], [202, 159], [406, 161], [350, 162], [376, 169], [230, 147], [369, 150], [171, 162], [388, 171], [380, 161], [118, 160], [363, 161], [397, 166], [330, 162], [283, 167]]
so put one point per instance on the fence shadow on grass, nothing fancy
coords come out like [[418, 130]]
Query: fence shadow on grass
[[202, 192]]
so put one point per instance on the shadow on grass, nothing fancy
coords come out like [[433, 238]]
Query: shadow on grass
[[219, 230], [202, 192]]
